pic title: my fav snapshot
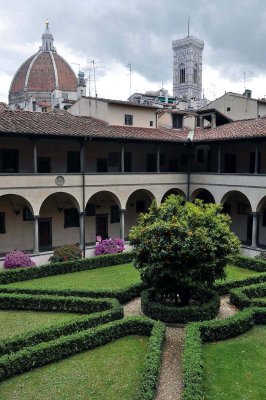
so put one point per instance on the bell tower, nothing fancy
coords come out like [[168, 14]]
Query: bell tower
[[187, 68]]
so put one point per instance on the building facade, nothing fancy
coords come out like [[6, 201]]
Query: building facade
[[66, 178]]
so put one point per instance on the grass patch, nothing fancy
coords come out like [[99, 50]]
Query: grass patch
[[112, 372], [235, 369], [18, 322], [233, 273], [108, 278]]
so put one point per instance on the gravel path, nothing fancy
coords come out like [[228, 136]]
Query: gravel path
[[170, 380]]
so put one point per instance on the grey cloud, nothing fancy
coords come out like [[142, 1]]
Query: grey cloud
[[141, 31]]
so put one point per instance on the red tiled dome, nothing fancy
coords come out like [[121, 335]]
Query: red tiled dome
[[39, 72], [45, 71]]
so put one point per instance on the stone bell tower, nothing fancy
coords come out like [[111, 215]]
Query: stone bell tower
[[187, 68]]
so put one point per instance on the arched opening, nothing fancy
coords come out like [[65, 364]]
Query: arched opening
[[16, 224], [175, 191], [182, 74], [204, 195], [102, 217], [138, 202], [237, 205], [195, 74], [261, 221], [59, 221]]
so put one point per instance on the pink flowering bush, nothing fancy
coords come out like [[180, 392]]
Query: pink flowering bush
[[17, 259], [109, 246]]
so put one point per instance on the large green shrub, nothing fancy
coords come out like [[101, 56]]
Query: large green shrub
[[181, 248], [68, 252]]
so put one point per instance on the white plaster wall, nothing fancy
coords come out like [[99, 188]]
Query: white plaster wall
[[90, 108], [241, 107], [19, 233], [141, 116]]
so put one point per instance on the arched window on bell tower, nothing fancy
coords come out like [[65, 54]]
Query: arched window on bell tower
[[195, 74], [182, 74]]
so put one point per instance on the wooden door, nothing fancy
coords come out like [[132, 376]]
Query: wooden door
[[45, 233], [102, 226]]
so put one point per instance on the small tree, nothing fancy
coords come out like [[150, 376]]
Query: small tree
[[181, 248]]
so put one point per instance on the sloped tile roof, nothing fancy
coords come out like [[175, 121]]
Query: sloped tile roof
[[242, 129], [62, 123]]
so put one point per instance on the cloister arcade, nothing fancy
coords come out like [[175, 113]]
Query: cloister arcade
[[58, 218]]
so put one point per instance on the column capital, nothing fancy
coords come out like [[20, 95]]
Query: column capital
[[81, 214], [36, 217], [254, 213], [122, 210]]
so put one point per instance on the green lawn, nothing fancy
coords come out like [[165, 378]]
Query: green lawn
[[233, 272], [116, 277], [17, 322], [110, 372], [235, 369]]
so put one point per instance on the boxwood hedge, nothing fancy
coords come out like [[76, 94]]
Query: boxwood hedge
[[184, 314], [249, 296]]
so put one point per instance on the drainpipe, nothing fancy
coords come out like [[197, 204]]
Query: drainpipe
[[83, 196]]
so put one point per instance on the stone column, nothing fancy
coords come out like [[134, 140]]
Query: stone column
[[36, 234], [158, 159], [256, 169], [219, 159], [201, 121], [82, 230], [35, 157], [122, 224], [82, 159], [122, 158], [254, 229], [213, 120]]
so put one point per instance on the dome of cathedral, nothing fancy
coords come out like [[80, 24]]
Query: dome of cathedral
[[42, 73]]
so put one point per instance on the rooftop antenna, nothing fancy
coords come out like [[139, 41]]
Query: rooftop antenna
[[76, 64], [188, 24], [130, 77], [94, 65]]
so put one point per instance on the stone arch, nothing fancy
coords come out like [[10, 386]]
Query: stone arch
[[138, 202], [102, 216], [202, 194], [59, 195], [238, 206], [59, 221], [175, 191], [261, 223], [16, 223], [261, 204]]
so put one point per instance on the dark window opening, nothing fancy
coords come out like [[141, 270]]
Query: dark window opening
[[114, 159], [151, 165], [184, 159], [44, 165], [173, 165], [151, 123], [115, 214], [252, 161], [177, 121], [243, 209], [102, 165], [2, 222], [200, 156], [127, 161], [195, 76], [73, 161], [162, 159], [230, 163], [228, 109], [71, 218], [90, 210], [140, 206], [128, 119], [27, 214], [182, 75], [9, 161]]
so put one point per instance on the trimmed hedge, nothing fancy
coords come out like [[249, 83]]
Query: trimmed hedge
[[23, 274], [251, 263], [54, 303], [184, 314], [197, 333], [224, 287], [122, 295], [248, 296], [44, 353]]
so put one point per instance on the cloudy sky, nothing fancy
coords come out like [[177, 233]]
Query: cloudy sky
[[118, 32]]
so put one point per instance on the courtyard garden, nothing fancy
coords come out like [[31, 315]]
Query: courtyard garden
[[65, 335]]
